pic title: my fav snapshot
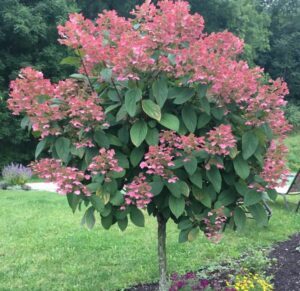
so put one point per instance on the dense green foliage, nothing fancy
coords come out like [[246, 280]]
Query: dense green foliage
[[43, 245], [271, 29]]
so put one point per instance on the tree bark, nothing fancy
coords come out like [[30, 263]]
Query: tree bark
[[162, 258]]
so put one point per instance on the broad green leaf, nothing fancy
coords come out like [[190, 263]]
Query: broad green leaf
[[137, 217], [79, 77], [160, 91], [97, 203], [152, 136], [241, 167], [101, 139], [62, 147], [183, 235], [151, 109], [117, 199], [215, 178], [181, 94], [193, 234], [176, 205], [131, 97], [106, 74], [73, 61], [185, 224], [205, 105], [239, 217], [73, 201], [90, 217], [191, 165], [189, 117], [138, 132], [40, 147], [217, 112], [252, 197], [203, 120], [136, 155], [170, 121], [196, 179], [226, 198], [203, 195], [107, 221], [123, 223], [249, 144], [259, 214], [179, 188], [156, 187]]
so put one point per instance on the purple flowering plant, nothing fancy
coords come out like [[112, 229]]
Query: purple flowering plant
[[191, 282], [16, 174]]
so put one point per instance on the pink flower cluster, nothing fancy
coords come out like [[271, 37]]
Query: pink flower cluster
[[157, 161], [214, 223], [138, 192], [68, 179], [274, 169], [220, 140], [48, 105], [105, 163]]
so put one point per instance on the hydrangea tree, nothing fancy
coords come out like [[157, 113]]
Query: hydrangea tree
[[160, 116]]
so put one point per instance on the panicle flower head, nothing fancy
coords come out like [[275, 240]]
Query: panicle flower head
[[68, 179], [138, 192], [105, 164]]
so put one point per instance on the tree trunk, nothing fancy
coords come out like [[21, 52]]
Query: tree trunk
[[162, 258]]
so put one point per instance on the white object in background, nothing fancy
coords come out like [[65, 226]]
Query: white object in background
[[51, 187], [290, 179]]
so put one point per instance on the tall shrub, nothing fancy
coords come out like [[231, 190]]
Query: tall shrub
[[159, 116]]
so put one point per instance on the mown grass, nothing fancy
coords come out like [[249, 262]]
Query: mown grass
[[43, 246], [293, 143]]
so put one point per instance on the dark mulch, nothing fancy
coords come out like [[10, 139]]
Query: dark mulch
[[286, 271]]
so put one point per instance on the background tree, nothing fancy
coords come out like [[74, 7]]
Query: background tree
[[160, 116], [28, 36]]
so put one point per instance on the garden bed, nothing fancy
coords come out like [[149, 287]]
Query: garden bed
[[284, 270]]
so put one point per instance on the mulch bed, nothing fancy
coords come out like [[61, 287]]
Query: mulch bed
[[285, 272]]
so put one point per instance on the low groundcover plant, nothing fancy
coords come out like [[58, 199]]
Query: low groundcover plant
[[159, 116]]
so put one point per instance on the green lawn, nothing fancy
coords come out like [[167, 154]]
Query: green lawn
[[293, 143], [43, 246]]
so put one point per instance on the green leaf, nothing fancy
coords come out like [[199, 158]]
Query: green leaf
[[90, 217], [217, 112], [215, 178], [183, 235], [152, 136], [151, 109], [189, 117], [40, 147], [259, 214], [252, 197], [106, 74], [101, 139], [79, 77], [241, 167], [202, 89], [73, 201], [62, 147], [249, 144], [205, 105], [191, 165], [123, 223], [107, 221], [178, 188], [131, 97], [170, 121], [160, 91], [196, 179], [176, 205], [97, 203], [226, 198], [156, 187], [193, 234], [117, 199], [203, 120], [73, 61], [185, 224], [137, 217], [239, 218], [138, 132], [181, 94], [136, 156]]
